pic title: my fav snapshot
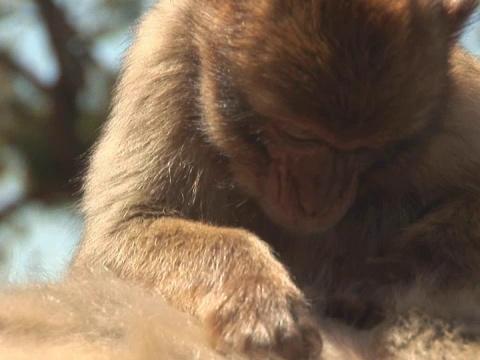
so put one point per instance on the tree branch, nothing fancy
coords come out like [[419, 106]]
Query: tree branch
[[7, 61]]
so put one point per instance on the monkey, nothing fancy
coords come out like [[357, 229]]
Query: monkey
[[262, 159]]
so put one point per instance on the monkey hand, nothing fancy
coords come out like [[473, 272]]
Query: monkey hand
[[263, 314], [363, 298], [258, 318]]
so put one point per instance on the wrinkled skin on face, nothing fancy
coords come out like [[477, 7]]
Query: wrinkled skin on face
[[308, 184], [304, 183]]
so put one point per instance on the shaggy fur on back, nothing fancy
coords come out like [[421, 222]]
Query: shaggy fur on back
[[97, 317]]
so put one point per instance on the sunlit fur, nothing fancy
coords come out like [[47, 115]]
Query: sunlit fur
[[98, 317], [195, 178]]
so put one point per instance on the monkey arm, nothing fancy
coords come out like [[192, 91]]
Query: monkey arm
[[446, 243], [441, 251], [185, 259], [226, 277]]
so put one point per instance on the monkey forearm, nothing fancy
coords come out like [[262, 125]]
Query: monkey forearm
[[216, 274], [185, 260], [446, 243]]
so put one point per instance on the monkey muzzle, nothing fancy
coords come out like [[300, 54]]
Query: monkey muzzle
[[310, 191]]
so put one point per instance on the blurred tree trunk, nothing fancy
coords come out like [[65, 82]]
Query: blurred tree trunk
[[72, 57]]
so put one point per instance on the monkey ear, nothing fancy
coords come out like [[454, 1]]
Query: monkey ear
[[458, 11]]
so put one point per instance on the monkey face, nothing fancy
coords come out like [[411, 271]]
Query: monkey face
[[305, 99], [306, 183]]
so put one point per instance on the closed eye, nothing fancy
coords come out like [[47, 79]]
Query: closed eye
[[298, 135]]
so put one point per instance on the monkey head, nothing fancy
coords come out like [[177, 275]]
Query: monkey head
[[305, 97]]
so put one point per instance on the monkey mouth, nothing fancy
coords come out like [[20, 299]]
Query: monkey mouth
[[328, 214], [302, 210]]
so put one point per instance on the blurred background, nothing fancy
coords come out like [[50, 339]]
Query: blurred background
[[58, 63]]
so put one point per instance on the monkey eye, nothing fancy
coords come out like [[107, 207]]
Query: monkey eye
[[297, 135]]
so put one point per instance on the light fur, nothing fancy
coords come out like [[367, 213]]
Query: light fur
[[96, 316]]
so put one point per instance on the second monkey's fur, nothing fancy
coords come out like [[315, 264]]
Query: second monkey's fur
[[98, 317]]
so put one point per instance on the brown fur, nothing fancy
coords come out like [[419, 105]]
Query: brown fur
[[200, 166]]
